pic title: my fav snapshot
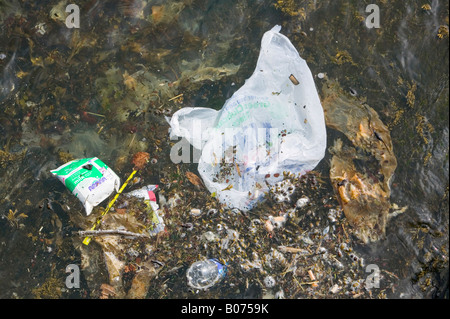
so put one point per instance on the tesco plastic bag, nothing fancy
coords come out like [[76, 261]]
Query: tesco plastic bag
[[273, 124]]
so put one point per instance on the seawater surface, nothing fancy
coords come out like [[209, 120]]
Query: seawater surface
[[104, 90]]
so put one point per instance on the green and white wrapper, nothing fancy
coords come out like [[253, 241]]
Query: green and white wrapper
[[89, 179]]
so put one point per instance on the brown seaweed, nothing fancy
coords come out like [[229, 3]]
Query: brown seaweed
[[363, 192]]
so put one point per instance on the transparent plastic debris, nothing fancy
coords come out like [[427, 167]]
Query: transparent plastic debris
[[89, 179], [205, 273], [253, 228], [272, 124], [147, 194], [247, 265], [274, 257], [209, 236], [232, 235]]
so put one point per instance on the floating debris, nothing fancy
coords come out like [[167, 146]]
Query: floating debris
[[294, 80], [140, 159], [89, 179], [205, 274], [194, 179], [363, 195], [269, 282], [196, 212], [301, 202], [303, 239]]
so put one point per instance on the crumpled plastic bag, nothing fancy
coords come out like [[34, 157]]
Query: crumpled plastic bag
[[273, 124]]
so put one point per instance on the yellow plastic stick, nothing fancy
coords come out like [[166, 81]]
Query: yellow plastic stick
[[87, 239]]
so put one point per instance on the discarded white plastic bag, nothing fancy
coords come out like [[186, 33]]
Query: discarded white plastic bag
[[89, 179], [272, 124]]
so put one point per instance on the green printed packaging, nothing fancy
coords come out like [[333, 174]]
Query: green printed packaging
[[89, 179]]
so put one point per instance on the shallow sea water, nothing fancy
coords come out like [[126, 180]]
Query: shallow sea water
[[104, 90]]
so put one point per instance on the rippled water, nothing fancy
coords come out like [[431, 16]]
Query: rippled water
[[66, 90]]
